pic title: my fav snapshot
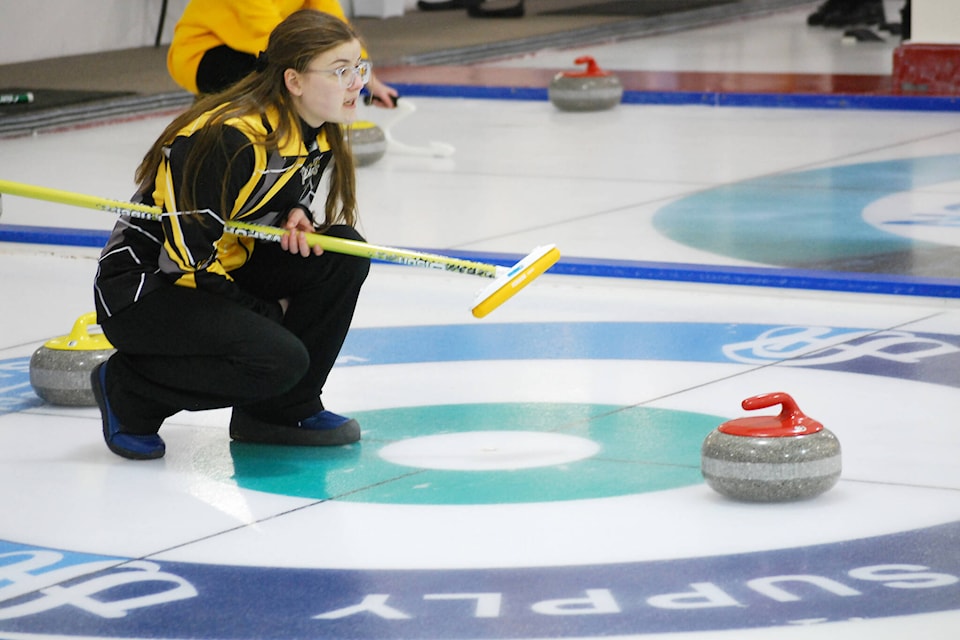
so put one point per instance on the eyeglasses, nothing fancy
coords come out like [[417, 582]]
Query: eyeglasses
[[348, 75]]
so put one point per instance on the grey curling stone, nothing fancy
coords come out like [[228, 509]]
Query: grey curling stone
[[590, 90], [368, 141], [780, 458], [60, 369]]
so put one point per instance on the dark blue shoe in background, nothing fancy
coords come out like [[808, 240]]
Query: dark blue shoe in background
[[324, 429], [324, 421], [127, 445]]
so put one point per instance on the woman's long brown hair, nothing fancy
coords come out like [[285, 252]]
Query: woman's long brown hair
[[293, 44]]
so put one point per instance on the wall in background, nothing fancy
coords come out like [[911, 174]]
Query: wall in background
[[41, 29], [935, 21]]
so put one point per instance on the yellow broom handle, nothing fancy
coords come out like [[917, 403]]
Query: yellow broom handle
[[262, 232]]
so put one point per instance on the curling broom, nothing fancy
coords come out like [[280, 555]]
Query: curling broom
[[507, 281]]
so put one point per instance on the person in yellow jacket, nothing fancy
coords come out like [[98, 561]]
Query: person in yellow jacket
[[216, 42]]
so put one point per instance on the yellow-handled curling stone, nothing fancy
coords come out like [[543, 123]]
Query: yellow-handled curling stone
[[368, 142], [771, 458], [60, 369]]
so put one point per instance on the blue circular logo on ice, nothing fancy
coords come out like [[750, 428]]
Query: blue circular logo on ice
[[926, 215], [16, 394], [44, 591], [816, 219], [899, 353]]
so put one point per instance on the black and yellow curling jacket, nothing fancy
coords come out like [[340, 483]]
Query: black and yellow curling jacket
[[194, 250]]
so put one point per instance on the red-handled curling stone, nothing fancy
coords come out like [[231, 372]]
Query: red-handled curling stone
[[779, 458], [60, 369], [368, 142], [591, 90]]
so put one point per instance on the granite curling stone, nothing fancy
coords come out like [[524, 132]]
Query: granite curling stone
[[368, 141], [60, 369], [591, 90], [771, 458]]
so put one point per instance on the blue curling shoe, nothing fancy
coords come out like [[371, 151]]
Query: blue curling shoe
[[324, 429], [126, 445], [325, 420]]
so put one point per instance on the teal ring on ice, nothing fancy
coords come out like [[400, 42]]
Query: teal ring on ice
[[639, 450]]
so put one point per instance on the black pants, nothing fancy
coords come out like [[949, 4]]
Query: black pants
[[222, 67], [186, 349]]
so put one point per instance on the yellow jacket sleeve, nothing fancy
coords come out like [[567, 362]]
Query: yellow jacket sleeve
[[244, 25]]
